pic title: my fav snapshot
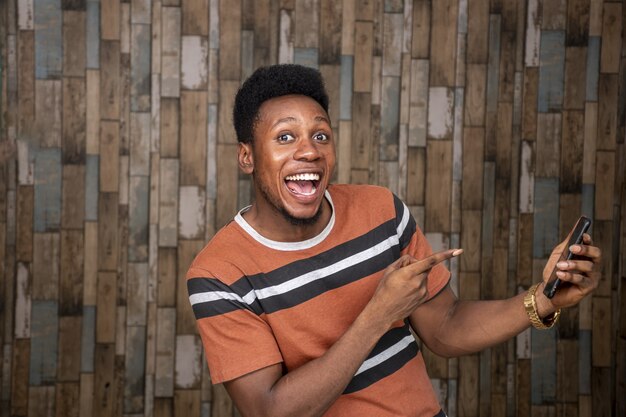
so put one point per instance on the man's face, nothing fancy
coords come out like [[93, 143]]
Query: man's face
[[293, 157]]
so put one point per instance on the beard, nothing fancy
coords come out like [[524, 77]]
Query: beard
[[280, 209]]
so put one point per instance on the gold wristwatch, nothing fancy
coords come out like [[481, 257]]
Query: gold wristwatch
[[530, 304]]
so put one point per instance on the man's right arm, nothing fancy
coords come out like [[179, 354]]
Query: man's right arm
[[312, 388]]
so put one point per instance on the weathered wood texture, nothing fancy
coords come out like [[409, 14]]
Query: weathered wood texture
[[497, 121]]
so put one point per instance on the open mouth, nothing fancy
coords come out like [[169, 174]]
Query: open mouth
[[303, 184]]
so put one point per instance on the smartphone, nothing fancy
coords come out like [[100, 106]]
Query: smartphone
[[575, 238]]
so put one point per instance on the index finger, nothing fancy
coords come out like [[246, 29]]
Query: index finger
[[430, 261]]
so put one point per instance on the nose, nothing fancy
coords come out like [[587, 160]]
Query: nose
[[306, 150]]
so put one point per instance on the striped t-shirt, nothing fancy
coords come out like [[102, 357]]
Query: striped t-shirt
[[260, 302]]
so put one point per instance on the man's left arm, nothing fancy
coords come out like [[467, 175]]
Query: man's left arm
[[452, 327]]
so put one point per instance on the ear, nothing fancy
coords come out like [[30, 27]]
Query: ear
[[245, 158]]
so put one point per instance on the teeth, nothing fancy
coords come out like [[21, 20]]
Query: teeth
[[303, 177]]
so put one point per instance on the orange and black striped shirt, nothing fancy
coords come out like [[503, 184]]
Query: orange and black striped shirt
[[260, 302]]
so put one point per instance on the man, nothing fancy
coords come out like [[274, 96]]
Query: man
[[305, 302]]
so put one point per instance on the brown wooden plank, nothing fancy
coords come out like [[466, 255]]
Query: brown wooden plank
[[506, 83], [74, 43], [529, 106], [612, 23], [69, 349], [110, 78], [74, 120], [170, 125], [187, 402], [601, 340], [420, 42], [48, 109], [67, 399], [26, 82], [575, 78], [472, 186], [195, 17], [601, 392], [106, 301], [607, 111], [92, 112], [548, 145], [416, 175], [361, 125], [185, 320], [41, 400], [443, 43], [193, 137], [107, 231], [71, 284], [164, 407], [19, 377], [46, 266], [577, 22], [572, 152], [330, 32], [363, 44], [567, 370], [438, 185], [230, 40], [105, 384], [228, 168], [110, 19], [168, 277], [475, 88], [477, 32], [471, 225], [24, 223], [605, 182], [73, 203]]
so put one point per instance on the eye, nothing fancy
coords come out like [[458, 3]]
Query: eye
[[284, 137], [321, 137]]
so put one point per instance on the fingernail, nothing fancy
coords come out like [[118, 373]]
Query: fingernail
[[457, 252], [560, 274], [574, 248], [562, 264]]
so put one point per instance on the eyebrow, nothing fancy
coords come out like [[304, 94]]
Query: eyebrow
[[291, 119]]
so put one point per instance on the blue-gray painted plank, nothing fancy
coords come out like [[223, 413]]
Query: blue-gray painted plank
[[345, 94], [140, 61], [138, 205], [48, 174], [306, 56], [92, 172], [551, 71], [43, 342], [390, 119], [593, 68], [546, 221], [93, 34], [134, 369], [88, 339], [48, 39], [543, 366], [584, 364]]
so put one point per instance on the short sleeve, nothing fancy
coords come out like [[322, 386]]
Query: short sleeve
[[236, 338]]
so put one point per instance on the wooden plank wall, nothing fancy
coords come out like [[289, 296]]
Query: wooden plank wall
[[497, 121]]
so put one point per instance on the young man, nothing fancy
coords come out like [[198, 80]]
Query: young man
[[306, 300]]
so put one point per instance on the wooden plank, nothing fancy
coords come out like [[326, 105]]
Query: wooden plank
[[43, 343], [392, 47], [137, 287], [554, 15], [71, 283], [92, 112], [140, 79], [170, 119], [601, 393], [23, 302], [525, 249], [420, 42], [110, 19], [440, 113], [164, 407], [73, 203], [48, 39], [134, 369], [575, 78], [46, 253], [87, 340], [41, 401], [170, 50], [188, 365], [548, 144], [67, 399], [194, 63], [230, 40], [106, 300], [473, 145], [165, 352], [361, 116], [19, 377], [47, 198], [363, 44], [389, 123], [506, 71], [577, 22], [443, 42], [607, 112], [109, 151], [110, 82], [168, 205], [306, 32], [193, 137], [24, 224], [48, 106], [545, 234], [191, 214], [416, 175], [91, 188], [551, 71], [612, 25], [543, 367], [438, 186], [605, 182], [227, 185], [188, 401], [194, 17], [25, 15], [74, 43], [529, 106], [475, 95], [347, 26], [572, 152], [567, 371], [285, 47], [185, 319], [418, 112], [533, 33], [470, 234], [74, 121], [69, 349], [138, 219], [330, 31], [105, 383], [92, 34]]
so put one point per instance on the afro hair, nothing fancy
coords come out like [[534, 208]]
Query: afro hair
[[270, 82]]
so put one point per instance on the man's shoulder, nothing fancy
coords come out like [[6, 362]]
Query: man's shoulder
[[363, 192]]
